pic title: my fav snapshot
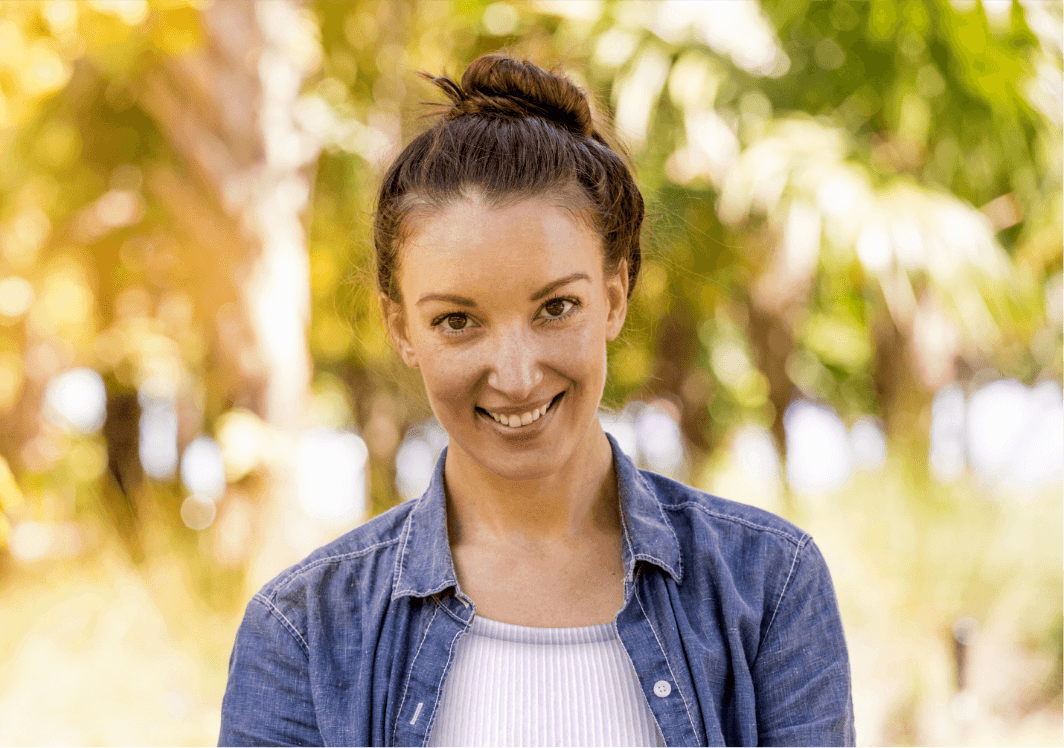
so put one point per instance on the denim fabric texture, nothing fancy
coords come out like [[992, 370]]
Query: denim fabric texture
[[730, 606]]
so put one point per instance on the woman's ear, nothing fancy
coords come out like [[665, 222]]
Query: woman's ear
[[395, 322], [617, 300]]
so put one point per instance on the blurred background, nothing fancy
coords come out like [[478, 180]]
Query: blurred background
[[850, 315]]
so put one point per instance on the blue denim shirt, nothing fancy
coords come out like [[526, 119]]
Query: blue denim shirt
[[729, 605]]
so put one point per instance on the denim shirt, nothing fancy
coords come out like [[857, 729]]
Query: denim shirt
[[729, 618]]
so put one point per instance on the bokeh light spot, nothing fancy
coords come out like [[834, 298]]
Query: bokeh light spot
[[202, 468], [416, 458], [76, 399], [869, 444], [331, 475], [158, 436], [198, 512], [818, 448], [243, 439], [16, 295], [500, 19]]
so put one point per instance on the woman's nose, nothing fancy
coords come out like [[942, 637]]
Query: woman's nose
[[515, 369]]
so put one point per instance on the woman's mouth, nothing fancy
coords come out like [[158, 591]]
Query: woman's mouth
[[517, 421]]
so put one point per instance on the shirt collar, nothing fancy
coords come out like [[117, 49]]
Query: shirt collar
[[648, 535], [424, 566]]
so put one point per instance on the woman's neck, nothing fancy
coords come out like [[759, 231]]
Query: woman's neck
[[577, 498]]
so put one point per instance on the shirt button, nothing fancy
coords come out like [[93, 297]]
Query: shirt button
[[662, 689]]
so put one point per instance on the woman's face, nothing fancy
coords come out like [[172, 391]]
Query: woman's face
[[507, 312]]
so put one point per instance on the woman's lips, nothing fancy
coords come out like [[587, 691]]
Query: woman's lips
[[520, 421]]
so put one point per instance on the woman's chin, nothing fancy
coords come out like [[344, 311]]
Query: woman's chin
[[529, 465], [523, 462]]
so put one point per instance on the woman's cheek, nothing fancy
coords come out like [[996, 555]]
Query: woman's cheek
[[581, 350], [450, 371]]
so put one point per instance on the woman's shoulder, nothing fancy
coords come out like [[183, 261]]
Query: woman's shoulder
[[686, 503], [360, 552], [764, 553]]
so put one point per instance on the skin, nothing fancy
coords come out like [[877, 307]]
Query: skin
[[504, 309]]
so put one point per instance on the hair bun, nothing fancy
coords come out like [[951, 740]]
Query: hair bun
[[499, 85]]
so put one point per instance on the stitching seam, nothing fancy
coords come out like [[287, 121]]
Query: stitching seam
[[665, 520], [405, 538], [331, 559], [786, 588], [686, 706], [740, 520], [657, 562], [274, 610], [439, 686], [410, 672], [443, 607], [646, 701], [631, 552]]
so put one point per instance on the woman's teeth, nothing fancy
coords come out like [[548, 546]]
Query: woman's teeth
[[516, 421]]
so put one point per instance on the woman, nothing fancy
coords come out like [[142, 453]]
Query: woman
[[543, 590]]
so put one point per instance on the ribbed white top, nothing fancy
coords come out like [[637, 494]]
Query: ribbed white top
[[517, 685]]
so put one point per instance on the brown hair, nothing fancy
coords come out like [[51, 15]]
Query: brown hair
[[512, 130]]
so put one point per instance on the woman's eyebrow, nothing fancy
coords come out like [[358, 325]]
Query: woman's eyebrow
[[463, 301], [558, 284], [459, 300]]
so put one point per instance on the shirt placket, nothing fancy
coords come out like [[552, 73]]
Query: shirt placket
[[661, 683], [429, 668]]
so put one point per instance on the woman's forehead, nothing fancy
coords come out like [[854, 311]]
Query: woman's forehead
[[524, 241]]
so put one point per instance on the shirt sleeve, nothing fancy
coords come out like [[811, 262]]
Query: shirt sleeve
[[802, 671], [268, 698]]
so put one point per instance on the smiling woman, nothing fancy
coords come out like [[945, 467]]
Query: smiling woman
[[543, 590]]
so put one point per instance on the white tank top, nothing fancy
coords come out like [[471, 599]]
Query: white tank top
[[518, 685]]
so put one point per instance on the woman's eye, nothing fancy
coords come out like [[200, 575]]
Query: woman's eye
[[453, 323], [557, 307], [457, 321]]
